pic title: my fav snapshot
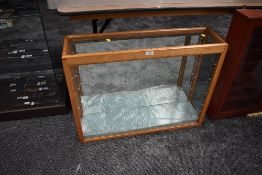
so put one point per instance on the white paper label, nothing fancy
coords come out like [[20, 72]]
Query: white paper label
[[45, 88], [22, 97], [41, 83], [26, 56], [11, 85], [148, 53], [13, 90], [13, 52], [40, 76]]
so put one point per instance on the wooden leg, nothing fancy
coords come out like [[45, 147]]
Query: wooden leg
[[106, 23], [94, 24]]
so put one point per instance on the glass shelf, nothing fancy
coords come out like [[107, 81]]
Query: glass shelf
[[133, 110]]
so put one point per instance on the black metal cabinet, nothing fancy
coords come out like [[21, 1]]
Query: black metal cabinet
[[29, 86]]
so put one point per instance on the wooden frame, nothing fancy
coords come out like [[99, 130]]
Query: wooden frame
[[71, 61]]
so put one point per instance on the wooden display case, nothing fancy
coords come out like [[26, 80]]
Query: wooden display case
[[239, 88], [139, 82]]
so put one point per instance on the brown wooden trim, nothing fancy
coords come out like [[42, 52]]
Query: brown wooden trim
[[214, 35], [140, 54], [67, 47], [236, 113], [73, 98], [144, 13], [136, 34], [141, 132], [212, 85], [251, 14]]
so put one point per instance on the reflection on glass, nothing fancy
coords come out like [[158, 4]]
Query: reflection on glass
[[131, 44], [134, 95]]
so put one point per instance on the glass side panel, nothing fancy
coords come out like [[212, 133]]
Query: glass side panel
[[136, 95], [135, 43], [207, 67]]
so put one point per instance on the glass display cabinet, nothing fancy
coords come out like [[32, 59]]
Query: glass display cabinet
[[139, 82]]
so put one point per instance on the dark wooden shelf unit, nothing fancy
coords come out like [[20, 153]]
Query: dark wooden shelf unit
[[239, 87]]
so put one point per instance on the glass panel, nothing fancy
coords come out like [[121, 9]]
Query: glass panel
[[130, 44], [203, 81], [134, 95]]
